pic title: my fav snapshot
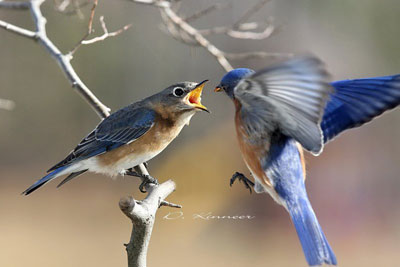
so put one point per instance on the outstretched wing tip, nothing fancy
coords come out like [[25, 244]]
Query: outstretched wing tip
[[356, 102]]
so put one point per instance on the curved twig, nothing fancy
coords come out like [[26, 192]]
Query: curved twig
[[180, 29]]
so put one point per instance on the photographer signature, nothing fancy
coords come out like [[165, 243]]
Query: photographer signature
[[206, 216]]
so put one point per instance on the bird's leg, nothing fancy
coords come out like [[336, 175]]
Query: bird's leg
[[241, 177], [146, 179]]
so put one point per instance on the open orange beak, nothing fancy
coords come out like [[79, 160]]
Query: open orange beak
[[218, 89], [194, 97]]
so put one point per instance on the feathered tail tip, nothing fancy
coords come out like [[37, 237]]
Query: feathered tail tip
[[44, 180], [313, 241]]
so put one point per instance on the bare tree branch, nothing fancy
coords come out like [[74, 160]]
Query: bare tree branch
[[180, 29], [268, 31], [142, 214], [63, 60], [106, 33], [17, 30], [243, 31], [168, 13]]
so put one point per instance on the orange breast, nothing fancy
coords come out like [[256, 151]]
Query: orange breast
[[303, 161], [252, 153], [152, 142]]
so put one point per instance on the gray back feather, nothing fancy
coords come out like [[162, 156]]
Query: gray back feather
[[289, 97]]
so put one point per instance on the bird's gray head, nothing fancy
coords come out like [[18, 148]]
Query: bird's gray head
[[180, 97]]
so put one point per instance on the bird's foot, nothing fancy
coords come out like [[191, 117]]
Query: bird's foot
[[241, 177], [146, 179]]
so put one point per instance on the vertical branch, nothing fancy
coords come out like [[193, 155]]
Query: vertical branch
[[142, 214]]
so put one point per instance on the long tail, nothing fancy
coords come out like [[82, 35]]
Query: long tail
[[47, 178], [315, 246]]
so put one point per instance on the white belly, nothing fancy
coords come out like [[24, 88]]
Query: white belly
[[135, 158], [259, 187]]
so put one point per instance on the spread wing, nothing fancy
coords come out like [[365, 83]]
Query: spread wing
[[356, 102], [289, 97], [122, 127]]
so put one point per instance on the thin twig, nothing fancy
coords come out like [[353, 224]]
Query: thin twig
[[167, 11], [250, 12], [180, 29], [243, 33], [90, 28], [169, 204], [205, 11], [17, 30], [269, 30], [224, 29], [106, 33]]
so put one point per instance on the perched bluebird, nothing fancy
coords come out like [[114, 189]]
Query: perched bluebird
[[132, 135], [278, 111]]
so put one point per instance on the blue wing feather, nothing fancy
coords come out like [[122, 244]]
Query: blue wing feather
[[122, 127], [290, 96], [356, 102]]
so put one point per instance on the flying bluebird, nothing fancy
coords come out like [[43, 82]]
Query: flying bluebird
[[278, 111], [132, 135]]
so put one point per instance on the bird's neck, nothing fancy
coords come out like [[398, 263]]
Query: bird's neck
[[237, 104], [173, 118]]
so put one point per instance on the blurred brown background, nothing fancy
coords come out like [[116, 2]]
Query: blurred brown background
[[353, 185]]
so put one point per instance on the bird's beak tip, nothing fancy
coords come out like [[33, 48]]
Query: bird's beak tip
[[194, 97], [218, 89]]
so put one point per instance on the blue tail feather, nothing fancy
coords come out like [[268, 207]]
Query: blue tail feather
[[44, 180], [313, 241]]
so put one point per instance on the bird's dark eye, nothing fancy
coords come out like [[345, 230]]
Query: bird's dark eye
[[178, 91]]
